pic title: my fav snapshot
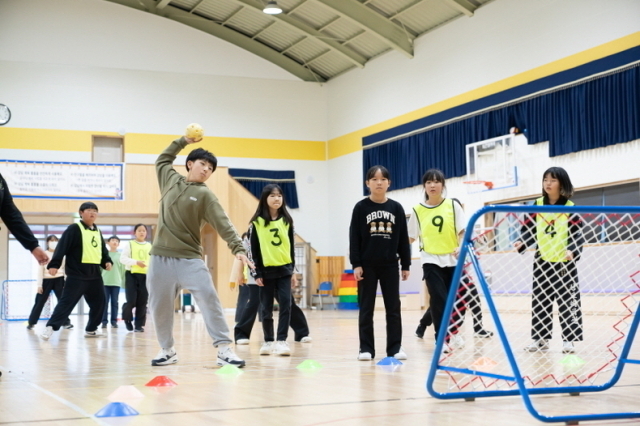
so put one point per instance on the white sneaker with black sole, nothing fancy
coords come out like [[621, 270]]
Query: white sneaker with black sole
[[306, 339], [165, 357], [402, 355], [242, 342], [567, 347], [226, 356], [92, 334], [538, 345]]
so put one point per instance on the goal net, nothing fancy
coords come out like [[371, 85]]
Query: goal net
[[559, 287], [18, 297]]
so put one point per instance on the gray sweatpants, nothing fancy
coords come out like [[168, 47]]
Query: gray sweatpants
[[165, 277]]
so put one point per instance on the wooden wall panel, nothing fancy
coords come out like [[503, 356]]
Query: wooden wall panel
[[330, 268]]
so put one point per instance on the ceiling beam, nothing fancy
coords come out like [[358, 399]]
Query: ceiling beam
[[463, 6], [229, 35], [308, 31], [163, 3], [365, 17]]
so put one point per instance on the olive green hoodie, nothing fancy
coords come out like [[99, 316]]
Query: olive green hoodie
[[184, 209]]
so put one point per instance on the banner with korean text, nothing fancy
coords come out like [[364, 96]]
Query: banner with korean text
[[62, 180]]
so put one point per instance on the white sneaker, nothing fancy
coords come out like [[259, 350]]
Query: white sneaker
[[567, 348], [282, 348], [46, 334], [242, 342], [364, 356], [457, 342], [92, 334], [226, 356], [538, 345], [446, 349], [165, 357], [401, 354], [306, 339], [267, 348]]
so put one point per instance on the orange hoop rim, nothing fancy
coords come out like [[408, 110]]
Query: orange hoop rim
[[486, 183]]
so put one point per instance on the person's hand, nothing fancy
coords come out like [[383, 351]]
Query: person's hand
[[192, 140], [40, 290], [357, 272], [40, 255], [259, 282], [53, 271], [140, 264], [405, 275], [456, 252], [108, 266], [294, 281], [245, 260], [517, 245], [568, 255]]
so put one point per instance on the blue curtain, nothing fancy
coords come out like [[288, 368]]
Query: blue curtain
[[255, 180], [594, 114]]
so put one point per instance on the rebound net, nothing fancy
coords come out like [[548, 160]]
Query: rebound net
[[561, 325]]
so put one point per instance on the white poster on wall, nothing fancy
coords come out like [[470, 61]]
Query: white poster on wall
[[62, 180]]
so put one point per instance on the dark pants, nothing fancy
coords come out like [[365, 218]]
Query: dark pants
[[244, 293], [137, 297], [438, 282], [280, 288], [467, 298], [243, 328], [556, 281], [111, 293], [48, 284], [389, 278], [74, 289]]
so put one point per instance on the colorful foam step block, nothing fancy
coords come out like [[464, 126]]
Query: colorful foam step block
[[348, 291], [348, 284], [348, 299], [343, 305], [347, 277]]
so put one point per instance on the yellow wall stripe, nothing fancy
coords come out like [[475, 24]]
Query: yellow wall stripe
[[137, 143], [352, 142]]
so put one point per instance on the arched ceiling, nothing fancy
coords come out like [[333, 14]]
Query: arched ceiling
[[314, 40]]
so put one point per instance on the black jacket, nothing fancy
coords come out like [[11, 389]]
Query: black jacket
[[12, 217], [70, 245]]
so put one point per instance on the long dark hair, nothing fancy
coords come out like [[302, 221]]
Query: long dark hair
[[566, 187], [263, 208], [433, 174]]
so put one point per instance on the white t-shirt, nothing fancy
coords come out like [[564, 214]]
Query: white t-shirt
[[442, 260]]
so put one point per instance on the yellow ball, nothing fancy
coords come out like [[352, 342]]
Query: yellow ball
[[194, 131]]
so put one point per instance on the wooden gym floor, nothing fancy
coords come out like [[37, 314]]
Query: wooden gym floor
[[66, 380]]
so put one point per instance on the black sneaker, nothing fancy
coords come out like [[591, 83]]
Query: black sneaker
[[165, 357], [104, 325], [68, 326], [139, 330], [485, 334], [128, 325], [420, 331], [30, 326], [114, 325]]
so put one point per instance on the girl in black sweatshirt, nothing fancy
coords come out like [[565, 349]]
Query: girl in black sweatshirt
[[378, 238]]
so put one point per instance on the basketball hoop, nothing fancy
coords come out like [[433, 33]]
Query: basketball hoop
[[478, 185]]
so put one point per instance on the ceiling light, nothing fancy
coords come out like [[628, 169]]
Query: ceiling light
[[272, 8]]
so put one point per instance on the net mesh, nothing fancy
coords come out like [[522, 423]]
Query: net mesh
[[18, 299], [589, 301]]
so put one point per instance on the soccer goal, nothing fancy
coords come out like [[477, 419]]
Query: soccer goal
[[559, 287]]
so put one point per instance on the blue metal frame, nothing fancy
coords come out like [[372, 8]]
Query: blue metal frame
[[467, 250]]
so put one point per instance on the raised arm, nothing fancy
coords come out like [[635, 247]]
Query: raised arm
[[164, 164]]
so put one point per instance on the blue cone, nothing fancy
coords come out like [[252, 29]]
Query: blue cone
[[116, 409], [389, 361]]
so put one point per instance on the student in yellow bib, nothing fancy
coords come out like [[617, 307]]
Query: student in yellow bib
[[558, 239], [273, 253], [86, 253], [135, 258], [438, 223]]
